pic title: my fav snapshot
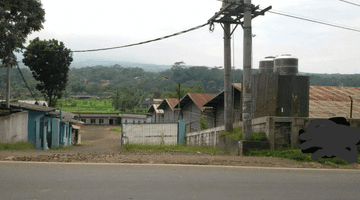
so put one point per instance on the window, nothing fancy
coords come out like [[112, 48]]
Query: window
[[101, 121], [126, 121], [138, 122], [92, 121], [133, 121], [83, 120], [144, 122]]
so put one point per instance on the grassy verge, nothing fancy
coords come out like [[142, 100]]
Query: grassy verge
[[237, 134], [180, 148], [297, 155], [62, 148], [18, 146], [117, 129]]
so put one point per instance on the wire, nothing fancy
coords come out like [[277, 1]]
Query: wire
[[23, 78], [350, 3], [315, 21], [145, 42], [305, 18]]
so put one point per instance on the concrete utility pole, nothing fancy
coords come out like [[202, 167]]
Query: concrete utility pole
[[228, 109], [231, 13], [8, 86], [247, 104]]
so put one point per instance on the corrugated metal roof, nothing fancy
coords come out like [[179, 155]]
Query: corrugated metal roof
[[154, 108], [219, 98], [198, 98], [98, 115], [331, 101], [171, 102], [27, 106]]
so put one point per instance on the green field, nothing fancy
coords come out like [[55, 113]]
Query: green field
[[86, 106]]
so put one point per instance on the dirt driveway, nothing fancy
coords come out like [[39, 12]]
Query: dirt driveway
[[100, 145]]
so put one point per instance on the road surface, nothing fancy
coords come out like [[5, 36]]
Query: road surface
[[21, 180]]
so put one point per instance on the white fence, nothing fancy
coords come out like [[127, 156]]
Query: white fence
[[208, 137], [165, 133]]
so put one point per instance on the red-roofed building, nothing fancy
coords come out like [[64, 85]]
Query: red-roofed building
[[191, 110], [170, 113]]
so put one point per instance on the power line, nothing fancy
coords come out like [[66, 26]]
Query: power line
[[23, 78], [350, 3], [315, 21], [305, 18], [145, 42]]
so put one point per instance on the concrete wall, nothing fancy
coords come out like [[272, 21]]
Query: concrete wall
[[280, 131], [150, 133], [135, 120], [14, 127], [284, 131]]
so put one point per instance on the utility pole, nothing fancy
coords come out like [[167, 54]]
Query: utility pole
[[247, 104], [228, 109], [179, 102], [8, 86], [231, 13]]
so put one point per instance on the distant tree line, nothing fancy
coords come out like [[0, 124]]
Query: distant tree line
[[106, 81]]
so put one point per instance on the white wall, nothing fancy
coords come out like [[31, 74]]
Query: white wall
[[150, 133], [14, 127]]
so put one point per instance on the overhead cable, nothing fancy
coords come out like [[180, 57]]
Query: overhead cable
[[305, 18], [315, 21], [350, 3], [145, 42]]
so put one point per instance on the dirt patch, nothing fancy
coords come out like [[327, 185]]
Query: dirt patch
[[102, 147]]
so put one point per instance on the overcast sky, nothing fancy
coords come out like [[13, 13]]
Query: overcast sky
[[90, 24]]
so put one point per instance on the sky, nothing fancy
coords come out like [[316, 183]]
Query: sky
[[90, 24]]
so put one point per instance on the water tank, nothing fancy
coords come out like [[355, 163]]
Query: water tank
[[266, 65], [286, 65], [231, 1]]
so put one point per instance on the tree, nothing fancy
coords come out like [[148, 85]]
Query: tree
[[183, 91], [18, 18], [49, 62]]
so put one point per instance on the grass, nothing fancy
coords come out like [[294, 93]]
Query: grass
[[117, 129], [167, 148], [18, 146], [297, 155], [87, 143], [237, 134], [62, 148]]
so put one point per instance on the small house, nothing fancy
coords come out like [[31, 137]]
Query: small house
[[171, 114], [157, 115], [217, 102], [191, 111]]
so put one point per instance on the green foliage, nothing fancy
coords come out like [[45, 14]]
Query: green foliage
[[117, 129], [18, 146], [203, 123], [237, 134], [86, 106], [169, 148], [189, 88], [17, 20], [297, 155], [49, 61], [127, 98]]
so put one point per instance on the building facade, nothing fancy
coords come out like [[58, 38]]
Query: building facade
[[192, 111], [171, 114]]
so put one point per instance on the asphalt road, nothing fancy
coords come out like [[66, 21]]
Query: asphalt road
[[119, 181]]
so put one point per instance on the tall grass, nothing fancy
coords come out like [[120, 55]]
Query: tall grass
[[170, 148], [237, 134], [18, 146], [297, 155]]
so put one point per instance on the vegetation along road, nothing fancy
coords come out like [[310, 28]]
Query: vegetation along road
[[102, 145]]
